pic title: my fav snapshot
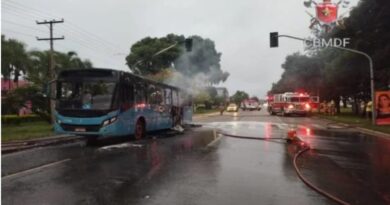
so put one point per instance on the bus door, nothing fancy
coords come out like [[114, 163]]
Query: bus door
[[187, 109], [166, 113]]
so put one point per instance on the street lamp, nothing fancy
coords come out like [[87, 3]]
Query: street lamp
[[274, 42]]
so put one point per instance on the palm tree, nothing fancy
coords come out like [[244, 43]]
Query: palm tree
[[14, 59]]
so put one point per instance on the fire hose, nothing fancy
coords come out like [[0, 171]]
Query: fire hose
[[295, 159]]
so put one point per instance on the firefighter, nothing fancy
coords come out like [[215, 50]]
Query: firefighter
[[369, 109], [331, 106], [221, 108], [363, 108]]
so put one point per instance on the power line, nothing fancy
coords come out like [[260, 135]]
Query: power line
[[70, 24], [17, 32], [24, 26], [78, 35], [66, 48], [69, 30]]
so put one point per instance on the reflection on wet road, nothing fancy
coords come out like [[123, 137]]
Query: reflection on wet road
[[184, 169]]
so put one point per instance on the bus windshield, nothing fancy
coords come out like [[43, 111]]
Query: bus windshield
[[88, 95]]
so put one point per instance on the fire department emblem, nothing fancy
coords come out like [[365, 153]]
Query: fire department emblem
[[326, 14]]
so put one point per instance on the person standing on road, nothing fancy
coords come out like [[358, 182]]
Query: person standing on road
[[332, 107], [369, 109], [221, 109], [363, 108]]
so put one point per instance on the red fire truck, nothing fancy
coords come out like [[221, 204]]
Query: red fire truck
[[290, 103]]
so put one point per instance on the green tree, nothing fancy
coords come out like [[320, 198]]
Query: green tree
[[142, 56], [18, 98], [335, 73], [301, 72], [239, 96], [39, 64], [14, 58], [203, 59]]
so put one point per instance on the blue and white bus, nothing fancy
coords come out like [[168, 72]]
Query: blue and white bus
[[102, 103]]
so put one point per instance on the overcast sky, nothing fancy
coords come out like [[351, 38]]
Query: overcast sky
[[103, 31]]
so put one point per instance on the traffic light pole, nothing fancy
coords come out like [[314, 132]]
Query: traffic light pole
[[373, 117]]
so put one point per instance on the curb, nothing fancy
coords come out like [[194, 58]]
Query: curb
[[360, 129], [29, 141], [41, 142], [217, 138], [206, 115], [373, 132]]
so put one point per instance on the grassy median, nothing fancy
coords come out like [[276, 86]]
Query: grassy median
[[26, 130], [346, 116]]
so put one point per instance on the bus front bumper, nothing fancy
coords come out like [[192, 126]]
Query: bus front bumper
[[87, 130]]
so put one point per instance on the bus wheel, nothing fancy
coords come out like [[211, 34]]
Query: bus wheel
[[139, 131]]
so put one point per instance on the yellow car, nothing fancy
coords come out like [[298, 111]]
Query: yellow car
[[232, 108]]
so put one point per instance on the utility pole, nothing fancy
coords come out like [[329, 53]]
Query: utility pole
[[51, 71]]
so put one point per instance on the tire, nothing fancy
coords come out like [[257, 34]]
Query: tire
[[139, 130], [283, 113]]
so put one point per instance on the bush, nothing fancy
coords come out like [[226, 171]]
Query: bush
[[15, 120]]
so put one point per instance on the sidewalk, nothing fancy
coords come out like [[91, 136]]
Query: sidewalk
[[206, 115]]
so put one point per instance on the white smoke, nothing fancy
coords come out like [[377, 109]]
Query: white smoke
[[192, 85], [194, 71]]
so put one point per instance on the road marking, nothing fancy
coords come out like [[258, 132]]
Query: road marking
[[34, 169], [123, 145], [216, 136]]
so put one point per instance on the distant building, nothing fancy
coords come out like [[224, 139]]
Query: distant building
[[7, 85]]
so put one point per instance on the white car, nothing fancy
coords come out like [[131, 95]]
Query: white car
[[232, 108]]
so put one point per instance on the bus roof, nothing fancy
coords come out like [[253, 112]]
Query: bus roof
[[105, 72]]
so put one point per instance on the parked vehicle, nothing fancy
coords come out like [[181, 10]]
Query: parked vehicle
[[250, 104]]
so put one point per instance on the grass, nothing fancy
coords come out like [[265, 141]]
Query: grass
[[26, 130], [346, 116]]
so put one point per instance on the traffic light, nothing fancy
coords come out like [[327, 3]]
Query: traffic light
[[274, 41], [188, 44]]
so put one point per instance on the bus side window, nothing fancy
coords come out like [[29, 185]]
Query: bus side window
[[139, 94], [128, 95], [155, 95], [168, 96], [175, 98]]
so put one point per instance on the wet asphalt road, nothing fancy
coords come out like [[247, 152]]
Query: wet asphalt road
[[168, 168]]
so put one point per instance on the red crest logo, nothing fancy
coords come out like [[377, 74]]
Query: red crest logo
[[326, 12]]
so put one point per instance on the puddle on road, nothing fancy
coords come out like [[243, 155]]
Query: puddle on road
[[365, 157]]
